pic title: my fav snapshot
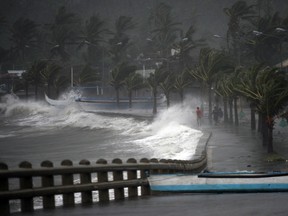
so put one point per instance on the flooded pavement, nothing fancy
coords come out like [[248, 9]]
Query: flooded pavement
[[239, 149]]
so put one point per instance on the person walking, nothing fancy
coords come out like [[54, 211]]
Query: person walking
[[199, 115]]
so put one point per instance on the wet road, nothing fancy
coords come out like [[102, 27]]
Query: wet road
[[263, 204]]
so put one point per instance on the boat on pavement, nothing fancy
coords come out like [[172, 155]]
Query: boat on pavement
[[216, 182]]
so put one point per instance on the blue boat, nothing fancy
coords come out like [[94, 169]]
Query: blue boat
[[220, 182]]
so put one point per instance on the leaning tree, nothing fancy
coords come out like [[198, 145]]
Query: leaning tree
[[270, 95]]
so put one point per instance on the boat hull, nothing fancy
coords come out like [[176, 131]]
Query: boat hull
[[204, 184]]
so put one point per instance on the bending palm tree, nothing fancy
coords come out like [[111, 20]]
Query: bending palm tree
[[154, 81], [134, 81], [119, 74], [211, 62], [270, 95]]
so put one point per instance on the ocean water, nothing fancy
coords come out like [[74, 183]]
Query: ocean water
[[35, 131]]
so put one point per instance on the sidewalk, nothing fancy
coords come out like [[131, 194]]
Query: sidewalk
[[234, 148]]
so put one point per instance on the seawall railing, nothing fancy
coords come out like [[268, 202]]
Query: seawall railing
[[94, 182]]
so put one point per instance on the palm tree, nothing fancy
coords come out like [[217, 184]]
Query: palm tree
[[163, 30], [133, 82], [223, 88], [181, 82], [120, 40], [211, 63], [60, 82], [238, 13], [64, 31], [33, 75], [153, 82], [88, 74], [93, 36], [49, 75], [250, 75], [119, 74], [267, 42], [167, 85], [270, 95], [23, 37], [185, 46]]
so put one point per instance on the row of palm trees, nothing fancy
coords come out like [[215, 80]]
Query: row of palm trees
[[266, 88]]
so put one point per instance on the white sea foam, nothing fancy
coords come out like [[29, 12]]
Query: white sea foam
[[170, 135]]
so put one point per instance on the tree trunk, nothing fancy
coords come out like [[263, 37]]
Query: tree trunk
[[167, 95], [270, 139], [210, 103], [225, 109], [154, 101], [26, 89], [260, 130], [253, 117], [231, 110], [236, 112], [264, 131], [117, 98], [181, 96], [130, 99], [36, 92]]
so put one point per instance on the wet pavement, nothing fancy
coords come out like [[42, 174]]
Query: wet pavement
[[239, 148]]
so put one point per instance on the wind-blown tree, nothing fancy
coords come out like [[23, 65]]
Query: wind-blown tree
[[185, 46], [33, 75], [270, 95], [250, 75], [120, 41], [238, 13], [133, 81], [266, 43], [64, 32], [3, 52], [211, 63], [223, 89], [153, 81], [231, 81], [181, 82], [163, 30], [61, 82], [167, 85], [49, 75], [87, 75], [118, 76], [93, 36], [23, 38]]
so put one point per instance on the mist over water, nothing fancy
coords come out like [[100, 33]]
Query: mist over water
[[36, 131]]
